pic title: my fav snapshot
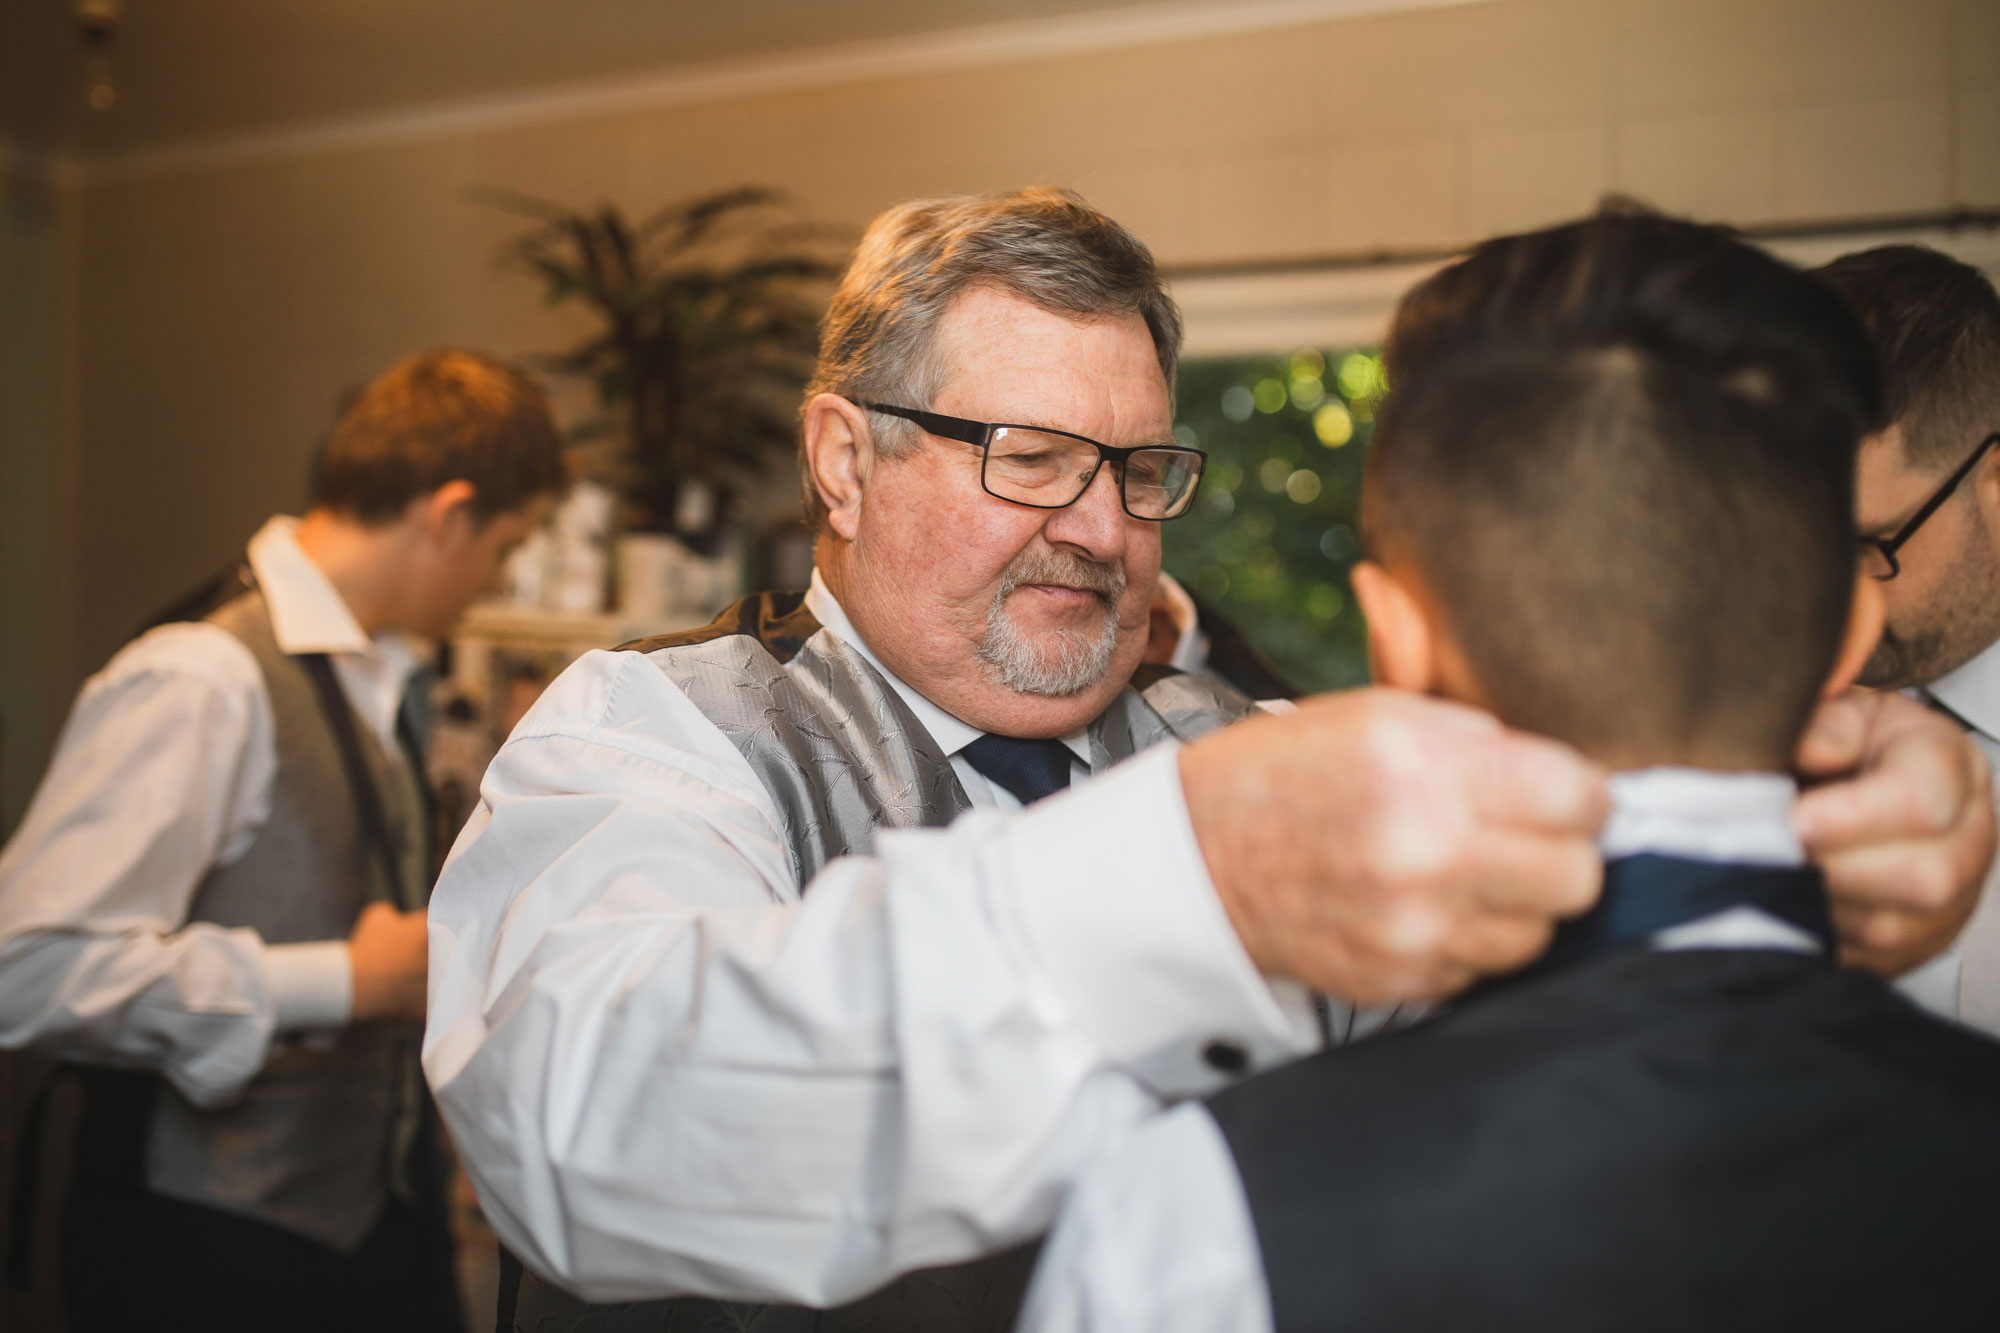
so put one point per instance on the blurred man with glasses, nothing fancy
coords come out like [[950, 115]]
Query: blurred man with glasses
[[1928, 505], [720, 1008]]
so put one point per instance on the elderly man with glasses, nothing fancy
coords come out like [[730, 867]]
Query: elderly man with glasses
[[1928, 502], [723, 1011]]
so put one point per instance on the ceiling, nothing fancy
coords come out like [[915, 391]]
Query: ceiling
[[188, 71]]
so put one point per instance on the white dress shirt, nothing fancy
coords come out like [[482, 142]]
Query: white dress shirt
[[1964, 981], [668, 1069], [1158, 1235], [163, 772]]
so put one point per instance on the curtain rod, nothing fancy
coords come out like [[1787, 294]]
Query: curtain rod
[[1952, 219]]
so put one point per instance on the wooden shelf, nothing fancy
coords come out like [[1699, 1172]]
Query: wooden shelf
[[501, 626]]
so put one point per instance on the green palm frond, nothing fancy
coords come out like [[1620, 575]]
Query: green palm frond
[[708, 323]]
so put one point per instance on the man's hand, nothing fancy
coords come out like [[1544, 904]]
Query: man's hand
[[1901, 825], [1382, 846], [390, 955]]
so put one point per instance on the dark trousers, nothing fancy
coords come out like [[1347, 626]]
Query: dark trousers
[[133, 1259]]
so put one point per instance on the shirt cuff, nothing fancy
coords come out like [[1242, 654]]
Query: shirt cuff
[[1117, 903], [312, 985]]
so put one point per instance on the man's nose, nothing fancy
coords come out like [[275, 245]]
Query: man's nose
[[1095, 525]]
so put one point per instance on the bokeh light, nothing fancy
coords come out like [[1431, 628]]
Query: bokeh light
[[1333, 424], [1273, 536], [1361, 376]]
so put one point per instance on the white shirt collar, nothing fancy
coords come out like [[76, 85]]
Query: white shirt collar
[[308, 614], [951, 734], [1745, 818], [1973, 691], [1699, 815]]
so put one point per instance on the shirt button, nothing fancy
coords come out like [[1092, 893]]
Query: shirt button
[[1225, 1057]]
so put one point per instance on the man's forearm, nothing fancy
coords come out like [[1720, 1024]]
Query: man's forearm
[[799, 1102]]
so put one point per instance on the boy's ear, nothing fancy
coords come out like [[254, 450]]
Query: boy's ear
[[1864, 627], [447, 511], [1402, 651]]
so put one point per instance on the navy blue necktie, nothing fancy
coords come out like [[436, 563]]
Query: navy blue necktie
[[1029, 769]]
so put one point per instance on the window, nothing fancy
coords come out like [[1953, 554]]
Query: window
[[1275, 529]]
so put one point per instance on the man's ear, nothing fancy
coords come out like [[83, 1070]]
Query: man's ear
[[1985, 483], [1864, 627], [446, 514], [1402, 652], [839, 450]]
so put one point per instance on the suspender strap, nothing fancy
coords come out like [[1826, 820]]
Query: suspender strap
[[367, 796], [413, 725], [215, 592]]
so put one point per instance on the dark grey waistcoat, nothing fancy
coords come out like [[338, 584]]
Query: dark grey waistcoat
[[312, 1144], [842, 755]]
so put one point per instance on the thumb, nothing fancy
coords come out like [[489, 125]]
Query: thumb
[[1836, 737]]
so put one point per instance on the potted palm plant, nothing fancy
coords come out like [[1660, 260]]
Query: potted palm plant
[[707, 322]]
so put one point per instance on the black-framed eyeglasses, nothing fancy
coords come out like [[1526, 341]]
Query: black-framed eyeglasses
[[1051, 469], [1878, 554]]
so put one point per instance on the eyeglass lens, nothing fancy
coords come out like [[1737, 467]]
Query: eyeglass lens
[[1051, 471]]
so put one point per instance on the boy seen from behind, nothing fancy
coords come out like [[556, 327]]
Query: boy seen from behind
[[1610, 501]]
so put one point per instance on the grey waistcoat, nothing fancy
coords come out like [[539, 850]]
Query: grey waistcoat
[[314, 1143], [842, 755]]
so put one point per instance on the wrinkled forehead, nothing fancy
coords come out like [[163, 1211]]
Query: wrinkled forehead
[[1887, 485], [1002, 358]]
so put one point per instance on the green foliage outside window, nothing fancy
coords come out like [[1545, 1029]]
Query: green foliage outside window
[[1275, 530]]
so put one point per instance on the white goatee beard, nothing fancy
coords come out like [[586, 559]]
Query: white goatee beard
[[1061, 662]]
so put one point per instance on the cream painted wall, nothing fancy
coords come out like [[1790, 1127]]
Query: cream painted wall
[[220, 311]]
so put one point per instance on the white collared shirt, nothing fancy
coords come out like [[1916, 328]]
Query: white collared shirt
[[163, 772], [669, 1068], [1964, 981], [1158, 1235]]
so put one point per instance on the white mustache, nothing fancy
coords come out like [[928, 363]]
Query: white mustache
[[1063, 570], [1062, 662]]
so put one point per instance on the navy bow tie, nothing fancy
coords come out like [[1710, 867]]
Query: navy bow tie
[[1029, 769], [1646, 894]]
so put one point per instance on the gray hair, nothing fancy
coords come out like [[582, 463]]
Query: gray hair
[[1046, 246]]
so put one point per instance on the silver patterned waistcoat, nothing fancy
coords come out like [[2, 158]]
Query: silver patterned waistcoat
[[842, 756]]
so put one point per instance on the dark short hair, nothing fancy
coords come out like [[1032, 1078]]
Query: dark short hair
[[1620, 456], [440, 416], [1936, 324], [1046, 246]]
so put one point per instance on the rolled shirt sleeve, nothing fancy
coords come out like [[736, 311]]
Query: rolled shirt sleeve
[[669, 1072], [163, 770]]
